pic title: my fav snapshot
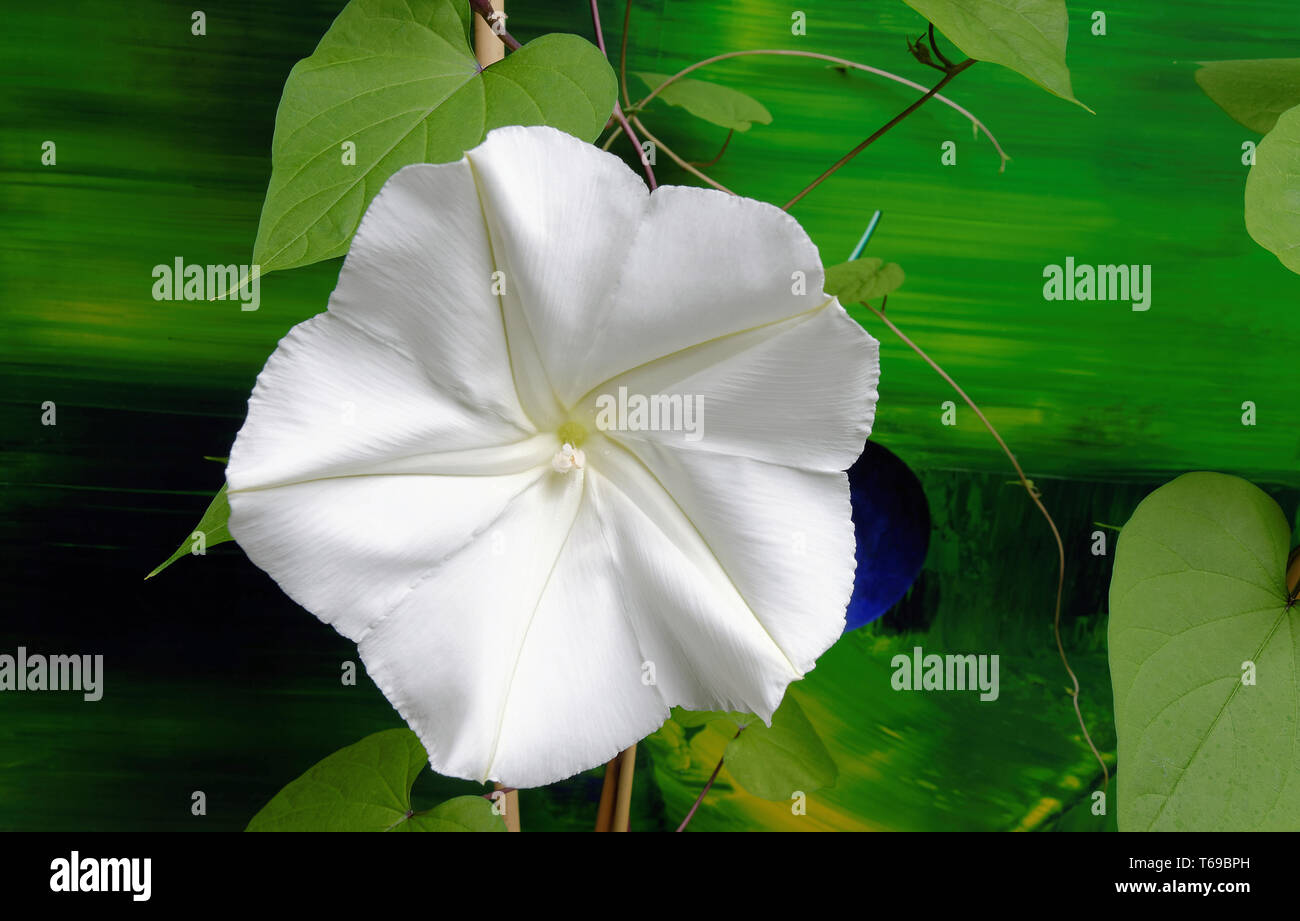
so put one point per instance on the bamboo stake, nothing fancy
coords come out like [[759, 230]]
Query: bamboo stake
[[605, 812], [623, 800], [488, 47], [511, 811]]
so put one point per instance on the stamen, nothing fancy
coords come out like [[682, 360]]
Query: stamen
[[568, 458]]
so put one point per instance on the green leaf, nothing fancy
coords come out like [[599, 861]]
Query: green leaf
[[1198, 591], [214, 526], [1273, 191], [460, 813], [669, 747], [862, 280], [1028, 36], [719, 105], [558, 80], [775, 762], [367, 787], [1254, 93], [398, 80]]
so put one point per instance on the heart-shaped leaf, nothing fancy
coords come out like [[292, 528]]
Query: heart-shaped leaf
[[367, 787], [1273, 191], [214, 526], [1254, 93], [1203, 656], [719, 105], [1027, 36], [862, 280], [774, 762], [394, 82]]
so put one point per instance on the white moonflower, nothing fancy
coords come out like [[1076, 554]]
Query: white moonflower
[[422, 469]]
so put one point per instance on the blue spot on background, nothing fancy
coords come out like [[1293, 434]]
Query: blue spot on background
[[891, 521]]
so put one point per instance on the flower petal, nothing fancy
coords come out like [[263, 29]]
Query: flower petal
[[607, 277], [709, 648], [783, 538], [512, 659], [352, 475], [563, 215], [349, 549], [334, 400], [419, 275], [798, 392], [704, 265]]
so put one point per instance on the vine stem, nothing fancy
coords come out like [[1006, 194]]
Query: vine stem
[[934, 90], [725, 145], [1037, 499], [622, 54], [660, 145], [708, 786], [672, 155], [978, 125], [618, 110]]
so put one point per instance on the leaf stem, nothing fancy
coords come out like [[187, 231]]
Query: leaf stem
[[618, 111], [976, 124], [725, 143], [678, 160], [934, 90], [708, 786], [622, 55], [1035, 495]]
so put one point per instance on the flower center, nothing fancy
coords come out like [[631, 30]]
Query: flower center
[[568, 458], [572, 433]]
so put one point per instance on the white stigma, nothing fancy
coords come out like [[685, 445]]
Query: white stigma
[[568, 458]]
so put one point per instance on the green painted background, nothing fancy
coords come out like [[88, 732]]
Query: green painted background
[[216, 682]]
